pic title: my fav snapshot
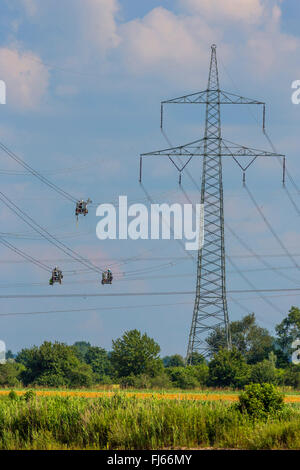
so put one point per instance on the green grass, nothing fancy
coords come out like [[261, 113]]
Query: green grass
[[123, 422]]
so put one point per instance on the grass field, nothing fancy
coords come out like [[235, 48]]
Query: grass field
[[123, 421]]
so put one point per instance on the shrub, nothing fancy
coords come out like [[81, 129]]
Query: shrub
[[29, 395], [10, 374], [141, 381], [13, 396], [261, 400], [201, 372], [264, 372], [161, 381], [146, 381], [183, 377], [292, 376], [228, 369], [128, 381]]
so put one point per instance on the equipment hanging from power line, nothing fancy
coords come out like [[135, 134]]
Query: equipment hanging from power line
[[107, 277], [81, 207], [57, 276]]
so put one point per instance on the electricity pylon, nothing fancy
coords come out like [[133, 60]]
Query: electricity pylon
[[210, 307]]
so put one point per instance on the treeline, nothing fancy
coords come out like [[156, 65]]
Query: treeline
[[134, 361]]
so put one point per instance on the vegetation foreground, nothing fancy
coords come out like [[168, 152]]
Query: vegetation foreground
[[128, 422]]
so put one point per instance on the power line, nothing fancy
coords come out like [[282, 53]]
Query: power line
[[277, 238], [93, 309], [122, 279], [135, 294], [163, 258], [45, 234], [258, 257], [239, 239], [239, 272], [290, 177], [24, 255], [129, 306], [253, 286], [38, 175]]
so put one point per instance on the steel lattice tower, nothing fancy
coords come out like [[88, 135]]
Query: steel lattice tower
[[210, 307]]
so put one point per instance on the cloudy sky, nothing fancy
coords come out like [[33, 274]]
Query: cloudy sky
[[84, 83]]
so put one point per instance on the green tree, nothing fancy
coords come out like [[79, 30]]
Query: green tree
[[54, 365], [136, 354], [228, 369], [188, 377], [173, 361], [288, 331], [10, 374], [99, 361], [182, 377], [264, 372], [292, 376], [196, 359], [9, 354], [81, 348], [253, 341]]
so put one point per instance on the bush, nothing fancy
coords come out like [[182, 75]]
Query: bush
[[229, 369], [128, 381], [161, 381], [183, 377], [13, 396], [29, 395], [264, 372], [201, 372], [146, 381], [10, 374], [261, 401], [173, 361], [292, 376]]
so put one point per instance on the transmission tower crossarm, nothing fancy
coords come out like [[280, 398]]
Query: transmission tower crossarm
[[225, 148], [200, 97], [222, 97], [197, 148]]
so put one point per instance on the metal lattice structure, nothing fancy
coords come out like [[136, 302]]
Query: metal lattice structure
[[210, 307]]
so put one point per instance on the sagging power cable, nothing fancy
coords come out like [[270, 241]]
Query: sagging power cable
[[38, 175]]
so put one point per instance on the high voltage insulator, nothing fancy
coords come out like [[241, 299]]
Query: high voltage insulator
[[210, 307]]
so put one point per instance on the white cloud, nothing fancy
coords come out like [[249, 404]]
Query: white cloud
[[174, 45], [249, 11], [99, 24], [270, 49], [25, 76], [97, 20]]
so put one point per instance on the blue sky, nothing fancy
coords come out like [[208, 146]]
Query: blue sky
[[84, 83]]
